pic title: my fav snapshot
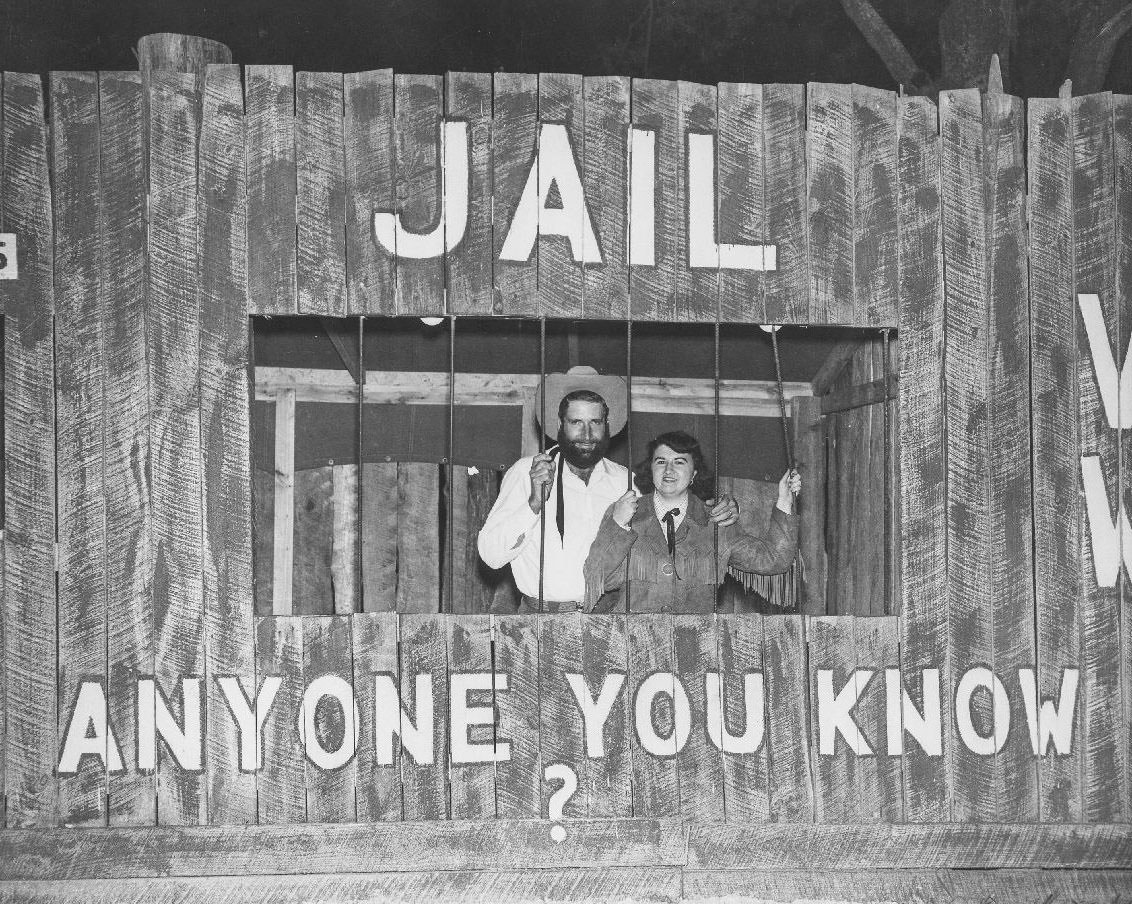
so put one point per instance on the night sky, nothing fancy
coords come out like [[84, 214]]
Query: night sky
[[699, 40]]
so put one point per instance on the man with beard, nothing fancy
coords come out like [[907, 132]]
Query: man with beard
[[574, 483]]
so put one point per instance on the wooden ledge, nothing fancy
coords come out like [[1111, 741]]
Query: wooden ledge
[[49, 855]]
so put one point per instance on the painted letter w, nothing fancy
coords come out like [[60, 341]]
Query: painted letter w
[[1116, 392]]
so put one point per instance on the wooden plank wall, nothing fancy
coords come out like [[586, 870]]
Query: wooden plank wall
[[218, 197]]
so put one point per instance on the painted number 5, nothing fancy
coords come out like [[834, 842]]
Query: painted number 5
[[9, 267]]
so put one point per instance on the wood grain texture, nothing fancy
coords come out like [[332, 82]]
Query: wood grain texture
[[514, 142], [787, 221], [656, 780], [518, 782], [370, 271], [922, 525], [320, 167], [786, 682], [741, 196], [378, 789], [66, 855], [966, 323], [328, 650], [605, 183], [468, 268], [608, 779], [418, 539], [697, 288], [423, 649], [379, 536], [700, 763], [1122, 146], [746, 777], [875, 248], [831, 191], [655, 106], [225, 437], [1058, 512], [30, 679], [129, 545], [837, 785], [1011, 549], [282, 782], [1104, 789], [345, 555], [312, 584], [559, 275], [561, 737], [879, 779], [646, 884], [809, 450], [270, 105], [418, 186], [79, 423], [469, 651]]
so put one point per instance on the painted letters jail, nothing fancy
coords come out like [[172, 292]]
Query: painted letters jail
[[271, 340]]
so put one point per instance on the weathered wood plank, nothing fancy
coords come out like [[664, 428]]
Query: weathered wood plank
[[370, 271], [648, 884], [29, 454], [561, 736], [320, 161], [875, 247], [518, 781], [837, 786], [653, 240], [559, 274], [225, 437], [79, 424], [791, 791], [173, 330], [700, 762], [271, 184], [697, 274], [467, 97], [656, 780], [809, 450], [330, 732], [1056, 464], [605, 183], [283, 506], [462, 580], [424, 652], [67, 855], [1104, 791], [282, 782], [741, 196], [831, 191], [923, 467], [418, 106], [787, 288], [312, 587], [263, 539], [514, 142], [608, 780], [378, 790], [418, 539], [1122, 145], [966, 322], [379, 536], [129, 546], [880, 779], [746, 779], [857, 886], [1008, 426], [344, 558], [469, 653]]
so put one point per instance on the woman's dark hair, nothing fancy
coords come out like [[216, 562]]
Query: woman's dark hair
[[703, 484]]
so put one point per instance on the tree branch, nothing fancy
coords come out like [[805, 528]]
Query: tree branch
[[889, 47], [1093, 49]]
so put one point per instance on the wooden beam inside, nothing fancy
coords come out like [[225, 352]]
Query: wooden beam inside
[[833, 366], [343, 336], [857, 396], [284, 546]]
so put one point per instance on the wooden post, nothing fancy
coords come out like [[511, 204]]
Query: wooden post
[[284, 502], [180, 53], [809, 448]]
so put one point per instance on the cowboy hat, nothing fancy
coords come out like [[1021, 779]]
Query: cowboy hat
[[558, 386]]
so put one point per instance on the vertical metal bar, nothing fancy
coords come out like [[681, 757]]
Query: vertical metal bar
[[888, 576], [628, 437], [541, 448], [715, 453], [451, 525], [359, 561]]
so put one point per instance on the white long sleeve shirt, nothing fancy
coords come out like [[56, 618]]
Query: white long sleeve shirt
[[511, 532]]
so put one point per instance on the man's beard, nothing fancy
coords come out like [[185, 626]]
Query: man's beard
[[582, 459]]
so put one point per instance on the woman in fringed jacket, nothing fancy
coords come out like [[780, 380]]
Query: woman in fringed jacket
[[670, 542]]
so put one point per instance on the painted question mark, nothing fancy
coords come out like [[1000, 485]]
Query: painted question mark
[[558, 800]]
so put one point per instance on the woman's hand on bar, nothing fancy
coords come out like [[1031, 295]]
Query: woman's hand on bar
[[723, 511], [788, 487]]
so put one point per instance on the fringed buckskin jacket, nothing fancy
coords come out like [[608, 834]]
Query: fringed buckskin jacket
[[655, 585]]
